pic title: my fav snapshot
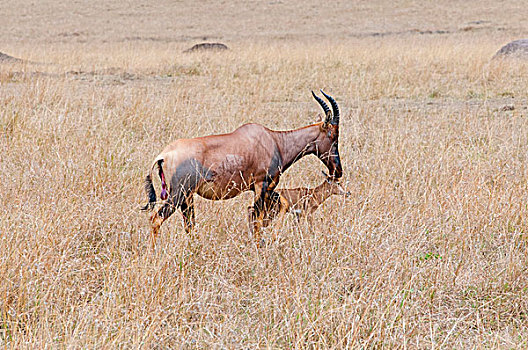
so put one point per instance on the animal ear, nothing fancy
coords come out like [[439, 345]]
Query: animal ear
[[319, 119]]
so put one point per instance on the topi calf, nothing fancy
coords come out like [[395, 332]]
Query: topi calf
[[302, 201]]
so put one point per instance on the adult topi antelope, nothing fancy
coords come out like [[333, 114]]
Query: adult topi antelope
[[251, 158]]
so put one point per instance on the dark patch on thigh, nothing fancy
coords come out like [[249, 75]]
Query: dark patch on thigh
[[166, 210], [188, 175]]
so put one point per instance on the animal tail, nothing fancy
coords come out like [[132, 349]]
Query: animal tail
[[149, 187]]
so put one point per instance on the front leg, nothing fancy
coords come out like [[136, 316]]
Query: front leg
[[257, 218], [258, 213]]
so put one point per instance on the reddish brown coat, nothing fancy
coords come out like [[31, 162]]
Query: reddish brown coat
[[252, 157]]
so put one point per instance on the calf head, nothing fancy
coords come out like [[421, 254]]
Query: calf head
[[334, 187]]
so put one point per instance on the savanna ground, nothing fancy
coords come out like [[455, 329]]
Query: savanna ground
[[429, 252]]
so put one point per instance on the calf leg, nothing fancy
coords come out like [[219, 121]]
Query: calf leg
[[251, 213], [284, 206]]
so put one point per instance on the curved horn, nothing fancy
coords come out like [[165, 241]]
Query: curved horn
[[325, 107], [335, 119]]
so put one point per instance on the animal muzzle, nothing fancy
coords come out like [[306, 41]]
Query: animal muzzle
[[344, 192], [334, 167], [337, 173]]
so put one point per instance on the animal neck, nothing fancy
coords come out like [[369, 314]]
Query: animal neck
[[322, 192], [295, 144]]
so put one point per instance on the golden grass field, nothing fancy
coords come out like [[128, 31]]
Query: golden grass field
[[430, 251]]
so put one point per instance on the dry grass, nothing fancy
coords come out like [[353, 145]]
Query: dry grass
[[430, 251]]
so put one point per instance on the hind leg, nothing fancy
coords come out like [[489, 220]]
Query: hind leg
[[187, 209], [157, 218]]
